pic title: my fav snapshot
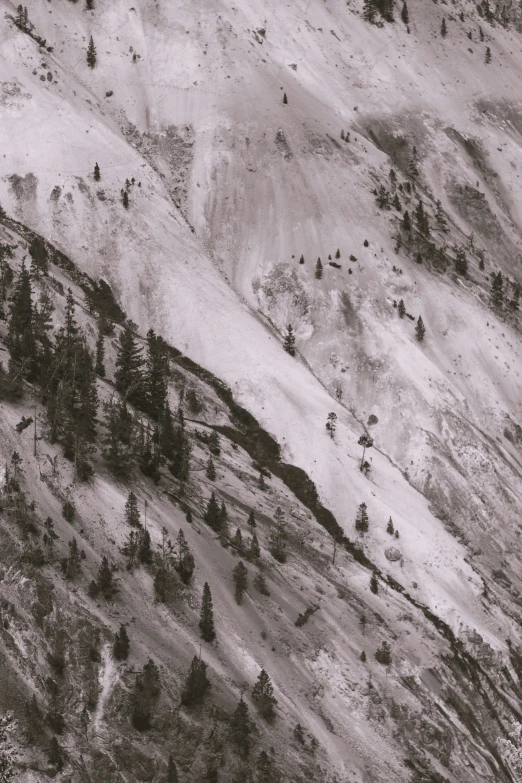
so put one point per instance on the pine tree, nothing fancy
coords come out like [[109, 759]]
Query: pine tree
[[515, 301], [20, 337], [129, 362], [422, 219], [361, 519], [73, 561], [420, 329], [240, 575], [319, 269], [289, 343], [145, 550], [440, 217], [156, 375], [147, 690], [488, 55], [105, 582], [405, 15], [277, 539], [39, 257], [285, 99], [97, 173], [206, 619], [396, 204], [383, 198], [254, 552], [401, 308], [260, 583], [100, 356], [172, 771], [338, 253], [331, 423], [212, 514], [443, 28], [366, 441], [184, 563], [461, 263], [131, 547], [119, 428], [211, 470], [91, 53], [263, 696], [240, 728], [89, 5], [497, 291], [121, 644], [251, 519], [389, 527], [197, 683], [369, 11], [237, 542], [406, 222], [374, 583]]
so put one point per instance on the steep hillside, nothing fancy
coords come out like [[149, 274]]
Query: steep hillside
[[234, 143]]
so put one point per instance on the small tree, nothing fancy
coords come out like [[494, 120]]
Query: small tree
[[366, 441], [389, 527], [405, 15], [212, 515], [91, 53], [125, 199], [197, 683], [420, 330], [132, 512], [260, 583], [100, 356], [240, 575], [289, 343], [497, 291], [443, 28], [319, 269], [97, 173], [263, 696], [206, 618], [73, 561], [277, 540], [401, 308], [331, 423], [383, 654], [147, 690], [55, 756], [121, 644], [285, 99], [406, 221], [251, 519], [361, 519], [253, 552], [488, 55], [240, 728], [461, 262], [211, 470]]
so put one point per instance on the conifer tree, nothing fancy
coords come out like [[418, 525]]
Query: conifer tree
[[260, 583], [156, 374], [89, 5], [240, 728], [361, 520], [206, 619], [319, 269], [374, 583], [422, 219], [251, 519], [277, 539], [488, 55], [369, 11], [145, 550], [121, 644], [401, 308], [420, 329], [383, 654], [91, 53], [197, 683], [39, 257], [119, 428], [100, 355], [131, 547], [331, 423], [263, 696], [285, 99], [184, 563], [443, 27], [97, 173], [405, 17], [406, 221], [383, 198], [104, 582], [129, 363], [254, 552], [396, 203], [338, 253], [389, 527], [132, 512], [212, 514], [497, 291], [125, 198], [366, 441], [440, 217], [237, 541], [172, 771], [461, 262], [211, 470], [20, 337], [73, 561], [240, 575], [289, 343], [515, 301], [147, 690]]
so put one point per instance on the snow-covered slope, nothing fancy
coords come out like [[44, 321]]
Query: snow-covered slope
[[231, 186]]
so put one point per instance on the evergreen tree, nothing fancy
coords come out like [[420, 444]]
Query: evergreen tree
[[20, 337], [361, 519], [488, 55], [119, 427], [285, 99], [147, 690], [121, 644], [406, 222], [212, 514], [260, 583], [338, 253], [73, 561], [251, 519], [461, 262], [129, 362], [172, 771], [91, 53], [240, 728], [97, 173], [401, 308], [289, 343], [240, 575], [197, 683], [263, 696], [89, 5], [331, 423], [254, 552], [366, 441], [105, 583], [383, 198], [184, 563], [319, 269], [206, 619], [515, 301], [389, 527], [156, 374], [422, 219], [131, 548], [39, 257], [100, 356], [145, 550], [396, 203], [125, 199], [237, 542], [369, 11], [405, 17], [374, 583], [420, 329], [132, 512], [211, 470], [497, 291], [443, 27], [440, 217]]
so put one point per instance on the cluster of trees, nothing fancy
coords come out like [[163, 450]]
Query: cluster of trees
[[373, 9]]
